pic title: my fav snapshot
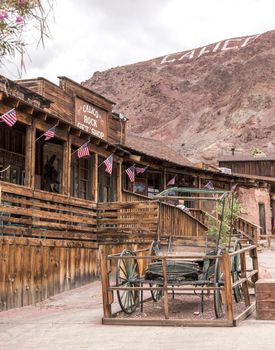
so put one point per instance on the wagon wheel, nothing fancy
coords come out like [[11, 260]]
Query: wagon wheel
[[154, 251], [218, 281], [236, 273], [127, 273]]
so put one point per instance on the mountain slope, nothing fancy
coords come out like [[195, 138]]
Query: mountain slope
[[201, 102]]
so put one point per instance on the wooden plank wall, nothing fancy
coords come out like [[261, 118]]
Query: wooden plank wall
[[128, 196], [261, 168], [63, 104], [127, 221], [32, 270], [29, 213], [174, 222]]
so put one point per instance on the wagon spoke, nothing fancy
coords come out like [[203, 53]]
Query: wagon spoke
[[127, 271]]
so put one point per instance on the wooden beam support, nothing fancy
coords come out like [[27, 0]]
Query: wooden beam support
[[226, 262], [95, 178], [119, 181], [66, 178], [30, 155]]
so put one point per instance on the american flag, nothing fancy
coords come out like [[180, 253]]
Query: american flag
[[49, 133], [172, 181], [9, 117], [233, 188], [131, 173], [209, 185], [109, 164], [83, 150], [139, 170]]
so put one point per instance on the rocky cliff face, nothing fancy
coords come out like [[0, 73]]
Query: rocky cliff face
[[201, 102]]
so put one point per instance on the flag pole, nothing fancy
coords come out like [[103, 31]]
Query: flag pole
[[3, 170], [128, 168], [81, 146], [46, 131], [104, 160]]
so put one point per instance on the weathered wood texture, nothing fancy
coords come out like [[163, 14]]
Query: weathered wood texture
[[175, 222], [63, 106], [251, 167], [148, 220], [50, 242], [32, 270], [128, 196], [265, 299], [29, 213]]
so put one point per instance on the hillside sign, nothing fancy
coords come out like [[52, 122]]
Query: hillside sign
[[91, 118], [225, 45]]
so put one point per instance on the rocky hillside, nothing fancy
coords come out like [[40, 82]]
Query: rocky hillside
[[200, 102]]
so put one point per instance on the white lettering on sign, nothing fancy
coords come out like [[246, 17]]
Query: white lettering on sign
[[90, 109], [90, 118], [90, 121], [228, 46], [225, 45]]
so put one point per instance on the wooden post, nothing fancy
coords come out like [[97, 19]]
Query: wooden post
[[165, 292], [199, 186], [95, 178], [245, 284], [119, 181], [30, 155], [226, 262], [255, 264], [66, 181], [105, 284], [164, 180]]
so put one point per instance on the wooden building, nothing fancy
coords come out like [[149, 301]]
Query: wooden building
[[51, 236], [256, 167]]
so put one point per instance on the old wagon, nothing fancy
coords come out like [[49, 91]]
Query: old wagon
[[176, 264]]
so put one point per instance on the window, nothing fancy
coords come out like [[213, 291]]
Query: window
[[155, 184], [12, 154], [107, 184], [81, 170]]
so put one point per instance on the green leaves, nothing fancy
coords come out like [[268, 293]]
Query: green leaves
[[19, 18]]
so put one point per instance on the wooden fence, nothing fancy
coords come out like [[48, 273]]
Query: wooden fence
[[166, 316], [28, 213], [147, 220], [128, 196]]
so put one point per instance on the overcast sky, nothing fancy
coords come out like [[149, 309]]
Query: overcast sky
[[94, 35]]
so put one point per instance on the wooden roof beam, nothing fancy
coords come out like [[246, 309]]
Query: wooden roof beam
[[76, 132], [52, 120], [40, 115], [25, 108]]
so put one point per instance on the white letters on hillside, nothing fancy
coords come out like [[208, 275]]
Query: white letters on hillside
[[225, 45]]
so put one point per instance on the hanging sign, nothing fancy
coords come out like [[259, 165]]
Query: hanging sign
[[91, 118]]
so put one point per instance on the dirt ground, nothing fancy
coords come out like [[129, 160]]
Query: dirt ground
[[72, 320]]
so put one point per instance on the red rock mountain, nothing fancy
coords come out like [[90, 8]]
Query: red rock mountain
[[201, 102]]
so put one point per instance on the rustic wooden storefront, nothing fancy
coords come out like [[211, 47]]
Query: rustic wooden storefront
[[51, 236]]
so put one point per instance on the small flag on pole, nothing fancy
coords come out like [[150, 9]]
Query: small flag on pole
[[49, 133], [9, 117], [209, 185], [172, 181], [131, 173], [139, 170], [233, 188], [109, 164], [83, 150]]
